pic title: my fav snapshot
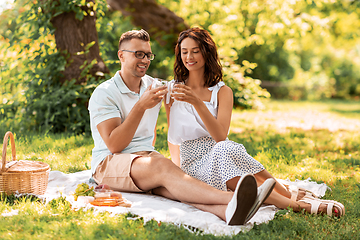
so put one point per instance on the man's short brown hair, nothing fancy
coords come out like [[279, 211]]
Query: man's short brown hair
[[139, 34]]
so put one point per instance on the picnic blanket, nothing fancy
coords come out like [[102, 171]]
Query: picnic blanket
[[164, 210]]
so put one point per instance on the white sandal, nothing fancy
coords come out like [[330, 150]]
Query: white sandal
[[337, 204], [294, 190], [330, 204]]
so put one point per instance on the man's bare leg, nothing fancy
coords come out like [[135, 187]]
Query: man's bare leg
[[166, 178], [218, 210], [161, 191], [153, 172]]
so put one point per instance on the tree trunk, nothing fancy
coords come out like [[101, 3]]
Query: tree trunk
[[73, 35], [156, 19]]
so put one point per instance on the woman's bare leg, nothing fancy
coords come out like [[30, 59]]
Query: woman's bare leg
[[231, 184], [281, 196], [283, 202], [279, 188], [260, 179], [274, 199]]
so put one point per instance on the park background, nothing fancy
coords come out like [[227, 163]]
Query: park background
[[54, 53], [293, 65]]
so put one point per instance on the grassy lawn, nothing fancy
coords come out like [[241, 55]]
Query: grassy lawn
[[294, 140]]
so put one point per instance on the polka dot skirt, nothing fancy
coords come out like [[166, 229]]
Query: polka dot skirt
[[216, 163]]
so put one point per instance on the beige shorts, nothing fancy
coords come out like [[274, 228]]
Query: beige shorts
[[115, 171]]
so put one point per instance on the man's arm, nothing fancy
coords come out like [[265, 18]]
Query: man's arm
[[116, 135]]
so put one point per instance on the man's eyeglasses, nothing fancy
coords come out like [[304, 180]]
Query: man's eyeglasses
[[141, 54]]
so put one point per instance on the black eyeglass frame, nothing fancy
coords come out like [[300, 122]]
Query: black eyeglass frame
[[149, 56]]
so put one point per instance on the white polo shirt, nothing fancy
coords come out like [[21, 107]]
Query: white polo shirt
[[113, 99]]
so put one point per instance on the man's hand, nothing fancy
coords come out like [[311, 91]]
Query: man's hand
[[117, 135], [151, 97]]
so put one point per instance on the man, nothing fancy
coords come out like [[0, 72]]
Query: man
[[123, 114]]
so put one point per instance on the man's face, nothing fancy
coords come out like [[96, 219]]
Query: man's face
[[129, 63]]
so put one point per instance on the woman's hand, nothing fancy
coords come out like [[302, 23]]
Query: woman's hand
[[184, 93]]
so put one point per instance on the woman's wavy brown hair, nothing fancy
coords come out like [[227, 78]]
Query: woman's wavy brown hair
[[213, 69]]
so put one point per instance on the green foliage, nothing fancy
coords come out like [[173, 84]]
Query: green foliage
[[307, 46], [59, 107], [32, 96], [35, 98], [296, 49], [224, 21], [247, 91]]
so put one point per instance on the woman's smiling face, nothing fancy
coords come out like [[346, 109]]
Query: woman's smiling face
[[191, 55]]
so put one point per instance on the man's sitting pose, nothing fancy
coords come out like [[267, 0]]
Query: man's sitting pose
[[123, 115]]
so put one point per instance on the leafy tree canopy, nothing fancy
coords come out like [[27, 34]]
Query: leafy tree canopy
[[298, 49]]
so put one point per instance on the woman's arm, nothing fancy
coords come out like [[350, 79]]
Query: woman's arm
[[217, 127], [175, 153], [154, 140], [173, 149]]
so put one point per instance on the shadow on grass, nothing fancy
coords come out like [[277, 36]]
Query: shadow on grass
[[347, 112], [11, 199]]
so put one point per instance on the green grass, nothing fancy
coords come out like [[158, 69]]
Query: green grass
[[294, 151]]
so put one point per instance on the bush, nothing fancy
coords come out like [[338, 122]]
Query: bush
[[247, 91], [35, 97]]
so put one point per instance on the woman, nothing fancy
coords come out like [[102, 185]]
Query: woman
[[199, 116]]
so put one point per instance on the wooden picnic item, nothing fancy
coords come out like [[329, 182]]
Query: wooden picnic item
[[22, 176]]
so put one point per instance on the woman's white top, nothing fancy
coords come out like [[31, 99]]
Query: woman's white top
[[185, 123]]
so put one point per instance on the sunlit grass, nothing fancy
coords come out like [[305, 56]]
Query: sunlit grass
[[58, 221], [293, 140], [292, 152], [64, 153], [344, 108]]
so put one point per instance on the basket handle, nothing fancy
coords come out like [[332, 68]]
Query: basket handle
[[13, 151]]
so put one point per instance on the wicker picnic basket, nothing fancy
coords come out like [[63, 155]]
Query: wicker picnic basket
[[22, 176]]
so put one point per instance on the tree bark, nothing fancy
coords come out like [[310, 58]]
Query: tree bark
[[72, 36], [156, 19]]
